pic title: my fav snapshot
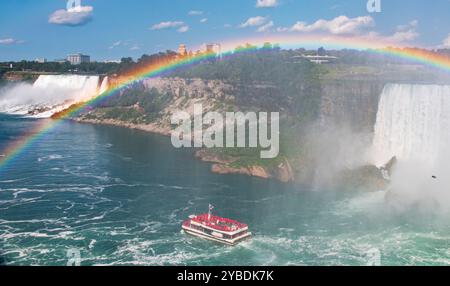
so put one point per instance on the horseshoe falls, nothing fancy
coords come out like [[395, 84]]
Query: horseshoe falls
[[413, 123]]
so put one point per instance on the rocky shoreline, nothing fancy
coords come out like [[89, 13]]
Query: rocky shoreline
[[151, 128], [224, 165]]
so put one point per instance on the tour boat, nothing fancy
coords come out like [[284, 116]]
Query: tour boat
[[215, 228]]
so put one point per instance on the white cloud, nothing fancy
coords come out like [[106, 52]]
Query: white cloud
[[74, 17], [404, 36], [183, 29], [266, 27], [446, 42], [405, 33], [135, 48], [116, 44], [10, 41], [130, 45], [337, 26], [204, 20], [195, 13], [167, 25], [412, 24], [266, 3], [254, 22]]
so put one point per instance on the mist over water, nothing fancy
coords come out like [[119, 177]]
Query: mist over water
[[335, 149], [49, 94], [413, 125]]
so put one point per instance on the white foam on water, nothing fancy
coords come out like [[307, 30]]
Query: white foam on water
[[51, 157], [92, 243], [370, 203], [142, 252]]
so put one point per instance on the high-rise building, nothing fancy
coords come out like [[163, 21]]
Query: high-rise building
[[214, 48], [77, 59], [182, 50]]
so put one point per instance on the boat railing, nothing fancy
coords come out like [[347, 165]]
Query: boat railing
[[215, 221]]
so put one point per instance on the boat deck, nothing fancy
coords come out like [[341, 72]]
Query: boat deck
[[219, 223]]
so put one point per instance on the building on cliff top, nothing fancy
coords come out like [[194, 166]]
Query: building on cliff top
[[77, 59]]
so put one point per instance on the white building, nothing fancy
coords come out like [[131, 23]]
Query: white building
[[182, 50], [77, 59], [317, 59], [111, 61], [41, 60]]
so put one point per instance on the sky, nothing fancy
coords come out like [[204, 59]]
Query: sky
[[112, 29]]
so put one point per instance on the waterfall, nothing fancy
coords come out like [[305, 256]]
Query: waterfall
[[78, 87], [104, 86], [50, 94], [413, 123]]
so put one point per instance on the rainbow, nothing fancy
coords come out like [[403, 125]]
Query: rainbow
[[14, 149]]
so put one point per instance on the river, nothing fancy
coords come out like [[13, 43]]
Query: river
[[119, 197]]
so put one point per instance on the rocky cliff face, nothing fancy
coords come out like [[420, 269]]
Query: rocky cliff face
[[20, 76], [258, 95], [192, 88], [351, 103]]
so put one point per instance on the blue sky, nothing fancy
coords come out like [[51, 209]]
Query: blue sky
[[111, 29]]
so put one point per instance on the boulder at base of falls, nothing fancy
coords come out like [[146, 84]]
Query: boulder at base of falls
[[390, 165], [365, 178]]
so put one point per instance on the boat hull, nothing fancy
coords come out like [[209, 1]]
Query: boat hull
[[206, 236]]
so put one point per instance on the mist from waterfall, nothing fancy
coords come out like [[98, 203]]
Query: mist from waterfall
[[413, 124], [49, 94]]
